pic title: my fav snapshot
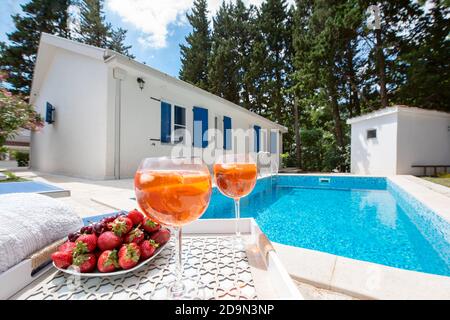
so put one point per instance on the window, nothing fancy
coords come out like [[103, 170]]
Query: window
[[200, 127], [226, 133], [273, 142], [166, 122], [179, 124], [372, 134], [257, 138]]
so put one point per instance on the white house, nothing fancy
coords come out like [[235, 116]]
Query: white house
[[109, 112], [393, 140]]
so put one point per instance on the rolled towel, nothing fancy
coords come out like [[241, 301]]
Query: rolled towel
[[29, 222]]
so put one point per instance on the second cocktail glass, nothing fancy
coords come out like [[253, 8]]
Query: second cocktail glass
[[235, 176]]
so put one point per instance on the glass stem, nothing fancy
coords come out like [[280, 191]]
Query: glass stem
[[178, 288], [237, 211]]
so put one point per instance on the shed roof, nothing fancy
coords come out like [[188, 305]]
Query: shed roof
[[396, 109]]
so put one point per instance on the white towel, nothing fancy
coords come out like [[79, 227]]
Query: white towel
[[29, 222]]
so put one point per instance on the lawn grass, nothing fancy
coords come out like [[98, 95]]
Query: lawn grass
[[12, 177], [443, 180]]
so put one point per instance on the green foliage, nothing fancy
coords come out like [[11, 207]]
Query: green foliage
[[11, 177], [117, 42], [93, 28], [22, 158], [195, 53], [95, 31], [15, 114]]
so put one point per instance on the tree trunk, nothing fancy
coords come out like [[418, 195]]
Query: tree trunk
[[335, 108], [354, 94], [297, 135], [381, 69]]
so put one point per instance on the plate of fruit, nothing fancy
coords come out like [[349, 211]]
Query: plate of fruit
[[115, 245]]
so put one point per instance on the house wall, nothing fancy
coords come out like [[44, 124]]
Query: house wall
[[74, 145], [141, 118], [423, 139], [374, 156]]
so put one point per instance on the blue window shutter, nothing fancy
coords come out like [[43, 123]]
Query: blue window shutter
[[166, 122], [257, 137], [227, 133], [200, 127], [273, 142]]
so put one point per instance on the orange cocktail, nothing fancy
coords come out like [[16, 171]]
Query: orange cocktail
[[173, 197], [235, 180]]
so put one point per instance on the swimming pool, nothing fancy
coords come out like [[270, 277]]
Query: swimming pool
[[364, 218]]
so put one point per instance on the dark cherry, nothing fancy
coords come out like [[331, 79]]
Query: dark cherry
[[73, 236], [87, 229]]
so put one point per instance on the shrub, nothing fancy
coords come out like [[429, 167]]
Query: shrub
[[23, 158]]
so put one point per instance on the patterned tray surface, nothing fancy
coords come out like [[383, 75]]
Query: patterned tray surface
[[214, 269]]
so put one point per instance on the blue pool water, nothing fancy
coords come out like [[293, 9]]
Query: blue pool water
[[26, 186], [368, 219]]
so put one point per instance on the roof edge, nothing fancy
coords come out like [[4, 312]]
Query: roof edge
[[396, 109]]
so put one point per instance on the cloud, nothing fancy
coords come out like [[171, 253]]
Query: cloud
[[154, 17]]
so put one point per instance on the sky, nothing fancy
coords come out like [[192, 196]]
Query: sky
[[156, 28]]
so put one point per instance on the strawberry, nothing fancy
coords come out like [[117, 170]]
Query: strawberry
[[161, 236], [108, 240], [86, 243], [67, 246], [62, 259], [135, 216], [86, 262], [148, 248], [108, 261], [121, 226], [150, 226], [129, 255], [136, 235]]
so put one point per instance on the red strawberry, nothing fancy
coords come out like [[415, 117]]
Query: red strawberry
[[108, 241], [161, 236], [136, 235], [62, 259], [148, 248], [129, 255], [86, 243], [86, 262], [150, 226], [67, 246], [135, 216], [108, 261], [121, 226]]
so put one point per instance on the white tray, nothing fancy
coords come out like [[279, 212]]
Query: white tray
[[211, 263]]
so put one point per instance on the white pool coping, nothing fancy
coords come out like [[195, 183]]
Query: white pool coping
[[368, 280]]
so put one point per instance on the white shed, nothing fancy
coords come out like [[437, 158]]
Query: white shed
[[106, 112], [392, 140]]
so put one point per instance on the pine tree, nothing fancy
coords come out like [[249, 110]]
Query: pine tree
[[223, 72], [93, 29], [117, 42], [273, 42], [19, 56], [194, 55], [245, 33]]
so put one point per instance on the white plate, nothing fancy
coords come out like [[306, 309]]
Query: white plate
[[115, 273]]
